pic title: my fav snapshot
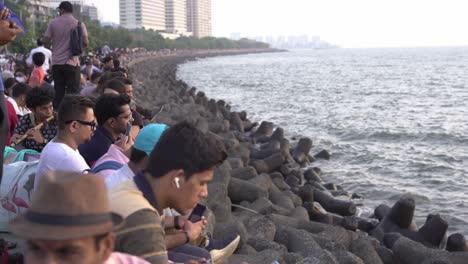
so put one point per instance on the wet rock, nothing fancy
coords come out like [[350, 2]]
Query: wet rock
[[456, 242], [323, 154], [301, 151], [331, 204]]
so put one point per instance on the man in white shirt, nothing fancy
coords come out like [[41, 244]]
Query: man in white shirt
[[40, 48], [77, 124]]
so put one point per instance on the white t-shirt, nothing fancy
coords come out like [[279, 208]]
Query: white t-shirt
[[47, 53], [118, 176], [59, 157]]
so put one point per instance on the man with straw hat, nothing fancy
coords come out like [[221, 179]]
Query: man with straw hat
[[70, 221]]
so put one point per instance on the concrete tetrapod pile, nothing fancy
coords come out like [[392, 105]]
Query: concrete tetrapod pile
[[268, 192]]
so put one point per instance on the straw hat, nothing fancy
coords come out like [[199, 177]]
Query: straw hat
[[67, 205]]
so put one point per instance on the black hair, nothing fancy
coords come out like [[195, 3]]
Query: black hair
[[137, 155], [183, 146], [66, 6], [108, 106], [39, 42], [38, 97], [73, 107], [8, 83], [95, 75], [116, 85], [38, 59], [116, 63], [20, 89], [106, 59], [125, 81], [106, 77]]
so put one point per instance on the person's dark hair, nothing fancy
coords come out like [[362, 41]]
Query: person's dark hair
[[66, 6], [20, 89], [137, 155], [38, 97], [116, 85], [39, 42], [38, 59], [106, 59], [116, 63], [8, 83], [125, 81], [108, 106], [104, 79], [73, 107], [95, 75], [185, 147]]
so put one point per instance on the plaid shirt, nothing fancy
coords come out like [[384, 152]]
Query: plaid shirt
[[48, 131]]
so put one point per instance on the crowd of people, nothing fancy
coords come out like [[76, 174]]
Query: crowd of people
[[111, 186]]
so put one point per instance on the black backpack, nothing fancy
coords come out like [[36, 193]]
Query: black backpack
[[76, 40]]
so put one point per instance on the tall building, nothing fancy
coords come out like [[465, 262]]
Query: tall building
[[176, 16], [199, 17], [90, 11], [148, 14]]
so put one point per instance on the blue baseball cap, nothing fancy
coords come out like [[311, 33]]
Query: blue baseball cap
[[148, 137]]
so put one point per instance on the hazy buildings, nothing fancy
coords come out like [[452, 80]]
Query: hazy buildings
[[176, 16], [170, 17], [199, 17], [290, 42], [148, 14], [90, 11]]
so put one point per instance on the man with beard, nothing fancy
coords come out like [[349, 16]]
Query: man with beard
[[76, 125]]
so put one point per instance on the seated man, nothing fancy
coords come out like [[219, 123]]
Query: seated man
[[113, 115], [178, 250], [76, 126], [177, 175], [69, 221], [39, 101]]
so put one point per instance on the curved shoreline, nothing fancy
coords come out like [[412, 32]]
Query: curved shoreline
[[259, 180]]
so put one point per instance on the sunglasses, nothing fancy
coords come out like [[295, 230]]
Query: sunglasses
[[86, 123]]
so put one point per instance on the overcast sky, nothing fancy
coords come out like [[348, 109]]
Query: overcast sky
[[348, 23]]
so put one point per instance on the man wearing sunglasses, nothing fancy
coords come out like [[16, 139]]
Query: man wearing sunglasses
[[76, 125]]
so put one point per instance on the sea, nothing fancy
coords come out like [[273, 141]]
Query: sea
[[395, 120]]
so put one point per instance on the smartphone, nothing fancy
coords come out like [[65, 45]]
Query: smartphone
[[129, 129], [197, 213]]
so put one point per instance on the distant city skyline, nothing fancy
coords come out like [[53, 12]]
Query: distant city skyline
[[359, 23]]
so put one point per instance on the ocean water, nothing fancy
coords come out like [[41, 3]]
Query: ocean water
[[395, 120]]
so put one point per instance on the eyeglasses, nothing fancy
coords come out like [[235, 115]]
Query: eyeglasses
[[86, 123]]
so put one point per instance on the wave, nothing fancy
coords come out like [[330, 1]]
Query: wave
[[385, 136]]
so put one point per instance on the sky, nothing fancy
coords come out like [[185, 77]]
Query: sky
[[347, 23]]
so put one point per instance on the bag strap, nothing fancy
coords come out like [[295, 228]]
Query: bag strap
[[106, 165]]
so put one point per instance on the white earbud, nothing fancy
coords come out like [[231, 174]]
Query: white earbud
[[176, 179]]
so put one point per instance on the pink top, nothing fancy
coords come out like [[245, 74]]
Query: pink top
[[114, 153], [120, 258], [59, 31]]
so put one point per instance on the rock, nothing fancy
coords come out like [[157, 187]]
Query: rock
[[262, 206], [292, 258], [236, 163], [261, 227], [300, 213], [236, 122], [301, 152], [266, 256], [263, 181], [245, 173], [262, 244], [246, 249], [269, 164], [345, 257], [281, 199], [331, 204], [265, 129], [240, 190], [311, 176], [222, 230], [456, 242], [306, 193], [280, 183], [323, 257], [323, 154], [386, 255], [365, 249], [298, 241]]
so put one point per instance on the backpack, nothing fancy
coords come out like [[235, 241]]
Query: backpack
[[76, 40], [106, 165]]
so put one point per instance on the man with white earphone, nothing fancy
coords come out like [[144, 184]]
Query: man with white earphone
[[177, 175]]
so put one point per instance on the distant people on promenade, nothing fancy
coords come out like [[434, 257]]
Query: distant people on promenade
[[65, 66], [47, 53]]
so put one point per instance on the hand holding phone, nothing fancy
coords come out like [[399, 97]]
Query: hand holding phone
[[197, 213]]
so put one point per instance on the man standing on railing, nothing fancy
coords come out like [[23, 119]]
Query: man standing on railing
[[65, 64]]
